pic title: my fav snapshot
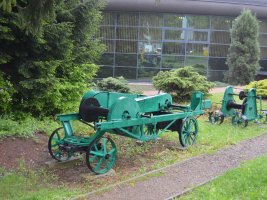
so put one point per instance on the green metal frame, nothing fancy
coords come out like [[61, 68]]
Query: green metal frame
[[134, 116]]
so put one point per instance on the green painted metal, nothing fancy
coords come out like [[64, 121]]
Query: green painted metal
[[240, 113], [131, 115], [188, 132]]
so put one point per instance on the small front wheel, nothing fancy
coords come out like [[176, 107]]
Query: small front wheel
[[188, 132], [101, 155], [240, 120], [54, 142]]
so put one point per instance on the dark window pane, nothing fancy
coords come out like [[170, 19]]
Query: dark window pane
[[149, 47], [151, 20], [125, 46], [221, 23], [197, 49], [198, 22], [197, 36], [149, 60], [263, 52], [263, 26], [190, 61], [218, 50], [150, 34], [109, 45], [263, 64], [217, 64], [126, 72], [130, 33], [173, 48], [174, 21], [172, 61], [216, 76], [170, 34], [147, 73], [263, 40], [107, 59], [105, 72], [106, 32], [127, 19], [108, 18], [126, 60], [222, 37]]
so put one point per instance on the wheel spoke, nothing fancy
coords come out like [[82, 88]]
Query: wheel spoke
[[111, 151], [92, 158], [97, 168], [104, 145], [97, 153]]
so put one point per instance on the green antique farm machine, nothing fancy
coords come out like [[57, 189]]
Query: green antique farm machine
[[242, 113], [136, 116]]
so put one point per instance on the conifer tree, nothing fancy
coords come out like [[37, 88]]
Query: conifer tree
[[244, 51]]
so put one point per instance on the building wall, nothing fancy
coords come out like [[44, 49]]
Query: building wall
[[140, 44]]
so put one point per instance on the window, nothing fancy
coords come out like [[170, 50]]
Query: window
[[190, 61], [105, 71], [173, 48], [217, 64], [151, 20], [126, 46], [221, 23], [126, 60], [127, 19], [126, 72], [150, 34], [193, 49], [217, 50], [130, 33], [177, 21], [172, 61], [222, 37]]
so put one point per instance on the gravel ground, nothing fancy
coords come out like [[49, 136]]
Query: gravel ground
[[179, 177]]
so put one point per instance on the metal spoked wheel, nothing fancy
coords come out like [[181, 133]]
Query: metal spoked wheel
[[262, 117], [216, 117], [188, 132], [101, 155], [239, 120], [151, 131], [56, 139]]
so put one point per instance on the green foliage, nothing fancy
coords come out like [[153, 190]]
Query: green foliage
[[201, 69], [6, 92], [260, 86], [244, 52], [181, 82], [114, 85], [51, 70], [245, 182], [10, 126]]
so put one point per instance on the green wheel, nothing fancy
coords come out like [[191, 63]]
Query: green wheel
[[239, 120], [262, 117], [101, 155], [54, 142], [188, 132]]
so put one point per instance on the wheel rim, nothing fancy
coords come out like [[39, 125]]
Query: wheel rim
[[56, 139], [239, 120], [188, 132], [101, 155]]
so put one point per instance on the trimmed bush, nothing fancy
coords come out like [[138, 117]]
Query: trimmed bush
[[181, 82], [260, 86], [113, 85]]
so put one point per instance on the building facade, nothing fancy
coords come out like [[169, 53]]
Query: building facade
[[145, 38]]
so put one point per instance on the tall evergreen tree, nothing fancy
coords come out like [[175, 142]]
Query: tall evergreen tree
[[244, 51], [50, 70]]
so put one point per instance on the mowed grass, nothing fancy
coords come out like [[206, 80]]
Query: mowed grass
[[211, 137], [249, 181], [32, 185]]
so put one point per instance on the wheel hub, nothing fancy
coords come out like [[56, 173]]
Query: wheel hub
[[107, 156]]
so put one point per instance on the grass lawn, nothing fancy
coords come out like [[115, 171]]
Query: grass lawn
[[212, 137], [246, 182]]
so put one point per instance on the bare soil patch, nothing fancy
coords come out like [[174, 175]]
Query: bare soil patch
[[32, 153]]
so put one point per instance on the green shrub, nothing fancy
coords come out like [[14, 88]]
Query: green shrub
[[10, 126], [181, 82], [6, 92], [113, 85], [260, 86]]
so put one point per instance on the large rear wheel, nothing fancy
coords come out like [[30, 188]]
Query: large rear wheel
[[101, 155]]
